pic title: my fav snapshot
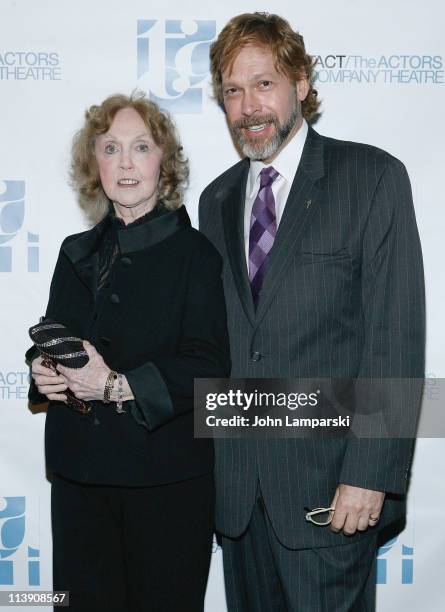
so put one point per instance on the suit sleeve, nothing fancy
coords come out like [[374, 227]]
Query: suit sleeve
[[393, 354], [163, 388]]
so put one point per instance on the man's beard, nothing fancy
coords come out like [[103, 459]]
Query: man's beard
[[256, 148]]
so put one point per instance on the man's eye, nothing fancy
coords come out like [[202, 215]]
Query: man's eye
[[264, 83], [110, 148], [230, 91]]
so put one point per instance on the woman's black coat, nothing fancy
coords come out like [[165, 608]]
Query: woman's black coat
[[162, 323]]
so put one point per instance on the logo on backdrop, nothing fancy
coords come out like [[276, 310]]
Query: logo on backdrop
[[30, 65], [397, 566], [389, 69], [14, 385], [173, 61], [215, 546], [15, 556], [12, 214]]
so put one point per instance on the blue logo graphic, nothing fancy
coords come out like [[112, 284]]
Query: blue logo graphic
[[12, 533], [215, 546], [407, 560], [12, 214], [173, 60]]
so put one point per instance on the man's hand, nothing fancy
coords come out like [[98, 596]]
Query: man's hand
[[356, 509], [87, 383]]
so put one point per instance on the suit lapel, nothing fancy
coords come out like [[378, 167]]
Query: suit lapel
[[233, 222], [300, 206]]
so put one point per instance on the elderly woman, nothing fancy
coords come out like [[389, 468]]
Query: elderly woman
[[132, 489]]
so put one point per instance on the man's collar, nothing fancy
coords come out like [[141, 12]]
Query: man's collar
[[286, 162]]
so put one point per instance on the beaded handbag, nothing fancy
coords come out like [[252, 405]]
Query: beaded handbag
[[57, 345]]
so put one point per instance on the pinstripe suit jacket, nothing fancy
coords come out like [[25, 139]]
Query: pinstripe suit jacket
[[343, 296]]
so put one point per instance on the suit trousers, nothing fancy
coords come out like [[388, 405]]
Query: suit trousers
[[133, 549], [262, 575]]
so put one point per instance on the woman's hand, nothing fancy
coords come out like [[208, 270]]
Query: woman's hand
[[48, 383], [87, 383]]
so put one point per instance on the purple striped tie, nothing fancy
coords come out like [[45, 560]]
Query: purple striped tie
[[263, 228]]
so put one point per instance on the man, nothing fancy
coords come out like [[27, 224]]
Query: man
[[323, 278]]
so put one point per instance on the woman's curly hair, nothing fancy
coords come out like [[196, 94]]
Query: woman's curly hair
[[84, 174], [274, 33]]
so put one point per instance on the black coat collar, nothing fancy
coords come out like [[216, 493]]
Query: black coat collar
[[130, 239]]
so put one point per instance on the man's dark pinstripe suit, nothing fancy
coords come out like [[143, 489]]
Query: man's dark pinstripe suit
[[343, 296]]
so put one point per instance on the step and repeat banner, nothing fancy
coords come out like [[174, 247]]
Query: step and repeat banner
[[380, 76]]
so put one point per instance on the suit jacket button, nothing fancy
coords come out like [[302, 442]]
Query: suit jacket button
[[256, 356], [114, 298], [126, 261]]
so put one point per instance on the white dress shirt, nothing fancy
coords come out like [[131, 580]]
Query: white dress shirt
[[286, 164]]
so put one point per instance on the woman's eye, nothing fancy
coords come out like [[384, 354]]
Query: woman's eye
[[143, 148], [110, 148], [264, 83]]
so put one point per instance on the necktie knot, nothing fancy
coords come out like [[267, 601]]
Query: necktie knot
[[267, 176]]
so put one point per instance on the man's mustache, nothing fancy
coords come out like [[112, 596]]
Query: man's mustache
[[251, 121]]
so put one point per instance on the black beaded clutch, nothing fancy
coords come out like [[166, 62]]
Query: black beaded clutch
[[56, 342], [57, 345]]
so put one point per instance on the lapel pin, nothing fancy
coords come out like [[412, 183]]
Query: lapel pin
[[308, 203]]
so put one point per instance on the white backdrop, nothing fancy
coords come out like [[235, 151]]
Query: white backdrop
[[381, 77]]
